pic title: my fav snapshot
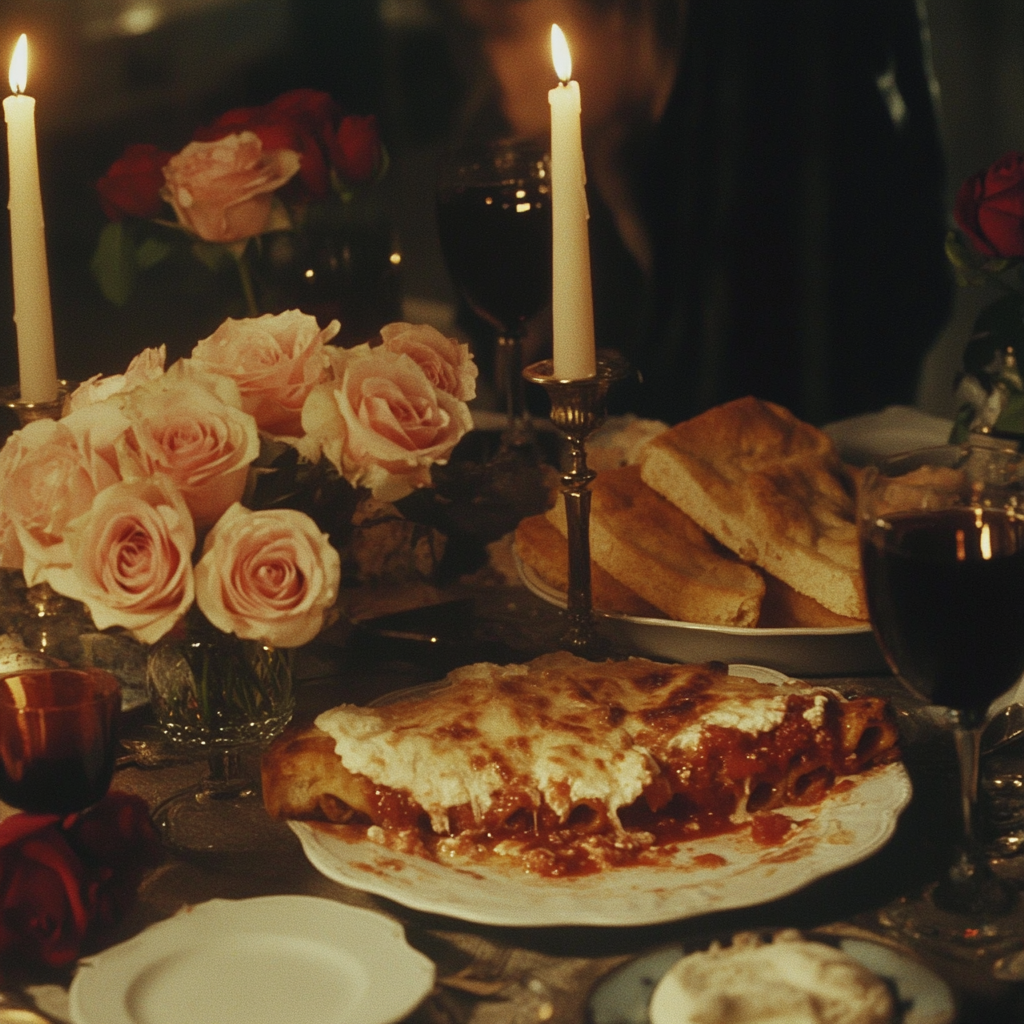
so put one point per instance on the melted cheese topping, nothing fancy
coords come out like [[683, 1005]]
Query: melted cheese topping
[[562, 732], [491, 732]]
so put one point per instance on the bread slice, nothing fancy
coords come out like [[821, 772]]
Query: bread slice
[[786, 608], [540, 546], [658, 552], [772, 489]]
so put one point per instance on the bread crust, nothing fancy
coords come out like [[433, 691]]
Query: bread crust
[[772, 489], [541, 547], [660, 553]]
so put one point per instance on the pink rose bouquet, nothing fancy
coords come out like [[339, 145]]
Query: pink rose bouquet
[[254, 170], [163, 490]]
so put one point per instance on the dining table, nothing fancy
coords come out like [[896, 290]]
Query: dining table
[[392, 636]]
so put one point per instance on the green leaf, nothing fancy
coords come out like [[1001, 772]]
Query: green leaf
[[212, 255], [113, 263], [150, 252]]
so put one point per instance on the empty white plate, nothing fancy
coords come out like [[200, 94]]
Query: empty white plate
[[268, 960]]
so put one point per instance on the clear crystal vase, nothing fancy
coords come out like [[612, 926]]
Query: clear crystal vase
[[216, 695], [212, 691]]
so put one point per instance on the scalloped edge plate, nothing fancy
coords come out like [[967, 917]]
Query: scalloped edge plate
[[266, 960]]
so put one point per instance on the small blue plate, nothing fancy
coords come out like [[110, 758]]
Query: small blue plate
[[624, 996]]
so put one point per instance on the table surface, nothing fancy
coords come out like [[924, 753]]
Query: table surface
[[506, 623]]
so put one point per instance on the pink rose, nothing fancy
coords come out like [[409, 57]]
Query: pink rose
[[275, 361], [449, 365], [223, 191], [185, 432], [381, 422], [147, 365], [50, 472], [268, 575], [131, 558]]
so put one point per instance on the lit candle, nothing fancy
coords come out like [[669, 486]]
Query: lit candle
[[37, 368], [571, 297]]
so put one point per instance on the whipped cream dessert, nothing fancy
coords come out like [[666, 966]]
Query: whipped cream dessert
[[787, 981]]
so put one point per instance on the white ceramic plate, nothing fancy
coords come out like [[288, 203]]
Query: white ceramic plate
[[268, 960], [837, 651], [843, 829], [624, 996]]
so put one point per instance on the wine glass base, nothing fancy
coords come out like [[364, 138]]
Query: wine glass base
[[194, 821], [971, 935]]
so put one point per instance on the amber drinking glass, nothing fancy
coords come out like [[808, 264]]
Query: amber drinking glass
[[58, 735]]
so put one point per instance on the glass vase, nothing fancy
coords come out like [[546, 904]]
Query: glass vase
[[341, 264], [217, 695], [212, 691]]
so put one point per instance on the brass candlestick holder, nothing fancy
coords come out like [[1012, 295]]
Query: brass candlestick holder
[[10, 397], [578, 408]]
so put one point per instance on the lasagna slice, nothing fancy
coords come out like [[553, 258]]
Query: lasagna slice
[[572, 755]]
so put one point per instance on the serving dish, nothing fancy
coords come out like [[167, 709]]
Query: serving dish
[[715, 873], [803, 652], [268, 960]]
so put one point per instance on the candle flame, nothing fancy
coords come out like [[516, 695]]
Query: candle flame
[[19, 65], [560, 54]]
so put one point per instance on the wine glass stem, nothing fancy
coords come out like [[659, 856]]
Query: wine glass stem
[[519, 428], [968, 751], [970, 886]]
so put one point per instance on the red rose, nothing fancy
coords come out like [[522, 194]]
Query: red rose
[[301, 120], [117, 842], [989, 208], [355, 149], [131, 187], [43, 903]]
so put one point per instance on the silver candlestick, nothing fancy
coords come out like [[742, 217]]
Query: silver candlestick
[[578, 408]]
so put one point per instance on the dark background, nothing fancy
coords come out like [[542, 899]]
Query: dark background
[[106, 73]]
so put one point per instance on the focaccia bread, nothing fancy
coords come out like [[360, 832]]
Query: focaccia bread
[[660, 553], [772, 489], [540, 546], [565, 765]]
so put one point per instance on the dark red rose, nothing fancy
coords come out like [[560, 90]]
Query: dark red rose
[[355, 150], [989, 208], [131, 187], [44, 913], [293, 121], [316, 110], [117, 842]]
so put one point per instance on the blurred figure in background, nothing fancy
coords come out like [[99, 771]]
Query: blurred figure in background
[[766, 190]]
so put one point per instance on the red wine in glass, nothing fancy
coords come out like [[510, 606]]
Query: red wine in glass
[[58, 738], [942, 550], [946, 589], [494, 225]]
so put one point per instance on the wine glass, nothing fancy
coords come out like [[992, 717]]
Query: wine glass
[[494, 224], [58, 734], [942, 549]]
